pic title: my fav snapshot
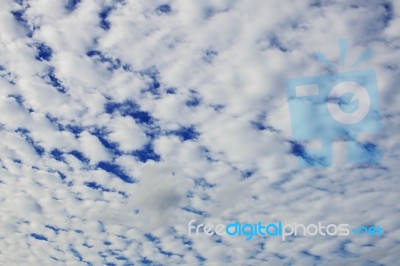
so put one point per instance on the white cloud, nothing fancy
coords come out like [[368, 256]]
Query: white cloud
[[127, 134], [93, 148], [234, 57]]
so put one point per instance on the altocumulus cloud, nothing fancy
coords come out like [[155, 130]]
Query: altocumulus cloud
[[121, 121]]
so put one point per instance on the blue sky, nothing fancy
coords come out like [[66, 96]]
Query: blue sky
[[121, 121]]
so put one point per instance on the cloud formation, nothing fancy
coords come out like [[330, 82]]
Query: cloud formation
[[121, 121]]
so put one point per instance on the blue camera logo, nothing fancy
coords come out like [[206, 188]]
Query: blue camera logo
[[336, 107]]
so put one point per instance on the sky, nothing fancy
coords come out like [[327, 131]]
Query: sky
[[123, 120]]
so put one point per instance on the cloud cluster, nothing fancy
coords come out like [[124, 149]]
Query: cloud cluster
[[121, 121]]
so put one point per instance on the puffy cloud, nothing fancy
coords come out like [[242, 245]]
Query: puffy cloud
[[127, 134], [121, 121]]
